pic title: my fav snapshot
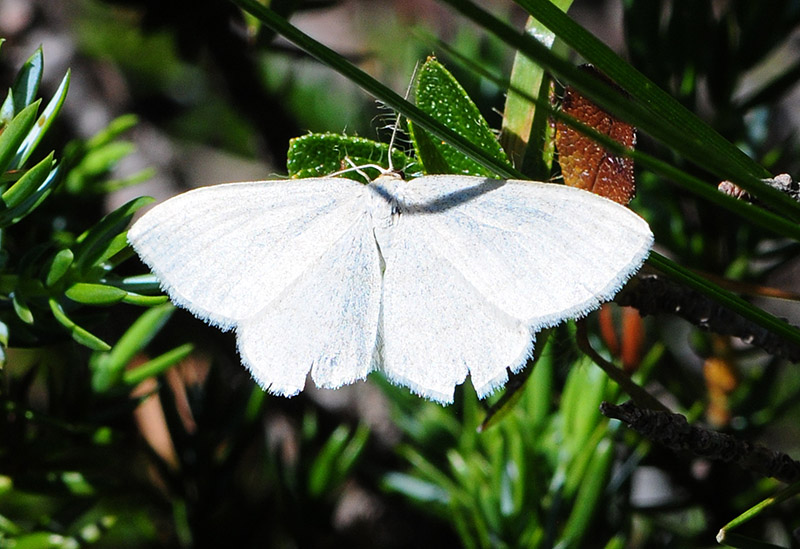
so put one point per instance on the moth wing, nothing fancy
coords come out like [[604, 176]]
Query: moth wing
[[326, 321], [519, 256], [224, 252], [436, 325], [292, 265]]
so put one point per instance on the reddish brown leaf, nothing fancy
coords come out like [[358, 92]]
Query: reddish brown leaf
[[587, 164]]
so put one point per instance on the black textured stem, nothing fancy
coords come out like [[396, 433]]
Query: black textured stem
[[673, 431]]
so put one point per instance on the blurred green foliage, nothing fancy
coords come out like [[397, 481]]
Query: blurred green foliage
[[104, 441]]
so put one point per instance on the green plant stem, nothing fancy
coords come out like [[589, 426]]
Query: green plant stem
[[373, 87], [651, 109], [753, 213], [785, 494]]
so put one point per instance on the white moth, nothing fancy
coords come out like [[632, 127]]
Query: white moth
[[425, 280]]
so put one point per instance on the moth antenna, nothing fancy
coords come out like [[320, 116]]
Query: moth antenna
[[399, 116], [359, 169]]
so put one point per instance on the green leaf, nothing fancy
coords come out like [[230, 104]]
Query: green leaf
[[430, 151], [140, 283], [583, 393], [411, 112], [102, 158], [349, 456], [321, 154], [416, 489], [761, 508], [7, 109], [725, 297], [438, 94], [108, 186], [157, 366], [95, 294], [648, 108], [79, 334], [45, 540], [115, 128], [32, 200], [92, 160], [117, 245], [59, 266], [144, 300], [759, 216], [320, 475], [589, 495], [103, 238], [76, 483], [107, 368], [21, 308], [43, 123], [14, 134], [527, 135], [335, 459], [27, 185], [26, 84]]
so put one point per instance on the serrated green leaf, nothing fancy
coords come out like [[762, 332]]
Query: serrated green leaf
[[27, 185], [14, 134], [648, 108], [279, 24], [97, 242], [430, 151], [95, 294], [26, 84], [438, 93], [59, 266], [43, 123], [321, 154]]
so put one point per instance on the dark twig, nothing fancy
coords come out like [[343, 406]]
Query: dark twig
[[637, 393], [654, 294], [674, 432], [782, 182]]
